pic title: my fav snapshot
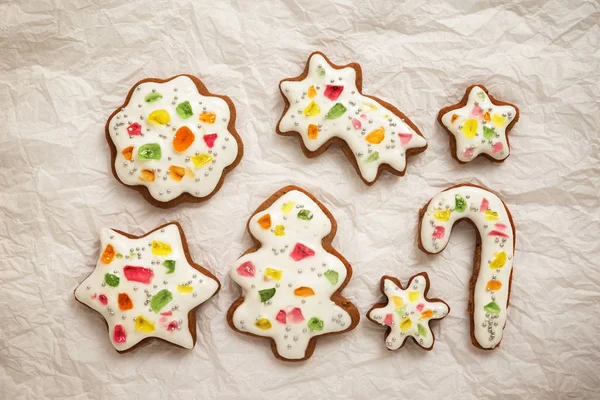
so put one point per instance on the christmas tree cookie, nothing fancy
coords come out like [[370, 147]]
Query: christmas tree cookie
[[408, 311], [494, 251], [325, 105], [292, 278], [479, 124], [147, 287], [173, 140]]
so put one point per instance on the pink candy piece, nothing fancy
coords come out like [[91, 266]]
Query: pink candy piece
[[300, 252], [497, 147], [500, 226], [295, 316], [477, 112], [405, 138], [103, 299], [468, 153], [363, 116], [119, 334], [134, 129], [420, 307], [498, 233], [356, 123], [388, 320], [484, 205], [332, 92], [138, 274], [438, 232], [247, 269], [281, 317], [210, 139]]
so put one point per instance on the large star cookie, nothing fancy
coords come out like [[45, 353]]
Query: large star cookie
[[325, 105], [173, 140], [408, 312], [479, 124], [147, 287], [292, 279]]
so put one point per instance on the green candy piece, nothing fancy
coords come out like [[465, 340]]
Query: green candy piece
[[401, 311], [336, 111], [305, 215], [481, 95], [315, 324], [150, 151], [111, 280], [170, 265], [321, 71], [152, 97], [488, 133], [492, 308], [266, 294], [422, 330], [119, 255], [332, 276], [373, 157], [160, 299], [460, 204], [184, 110]]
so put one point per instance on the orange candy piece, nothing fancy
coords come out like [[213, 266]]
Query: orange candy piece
[[147, 175], [426, 314], [304, 291], [494, 285], [125, 302], [265, 221], [486, 116], [108, 254], [454, 118], [313, 131], [183, 139], [128, 153], [176, 172], [376, 136], [208, 117], [312, 93]]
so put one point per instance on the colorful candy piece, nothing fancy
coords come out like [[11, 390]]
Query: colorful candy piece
[[125, 302], [304, 291], [134, 129], [332, 92], [150, 151], [159, 117], [184, 110], [210, 139], [128, 153], [208, 117], [144, 325], [161, 249], [183, 139], [108, 254], [138, 274], [265, 221], [119, 334], [246, 269], [201, 160], [301, 252]]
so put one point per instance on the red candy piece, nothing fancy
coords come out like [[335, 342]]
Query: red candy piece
[[172, 326], [300, 252], [281, 317], [405, 138], [388, 320], [119, 334], [166, 313], [295, 316], [138, 274], [484, 205], [210, 139], [497, 233], [103, 299], [246, 269], [332, 92], [134, 129], [501, 226], [438, 232]]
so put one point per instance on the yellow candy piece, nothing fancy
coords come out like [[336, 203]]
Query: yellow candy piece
[[287, 207], [406, 324], [273, 274], [185, 289], [263, 324], [413, 296], [312, 93], [376, 136], [201, 159], [491, 215], [442, 215], [499, 120], [369, 106], [160, 248], [279, 230], [499, 260], [469, 128], [159, 117], [312, 109], [398, 302], [143, 325]]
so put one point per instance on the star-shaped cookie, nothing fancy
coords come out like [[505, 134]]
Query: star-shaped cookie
[[479, 124], [408, 311], [147, 287]]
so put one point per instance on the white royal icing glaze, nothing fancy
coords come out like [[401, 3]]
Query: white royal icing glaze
[[202, 180], [197, 288], [312, 272], [497, 249], [480, 127], [397, 137], [408, 313]]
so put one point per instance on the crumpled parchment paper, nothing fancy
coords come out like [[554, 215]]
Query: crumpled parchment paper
[[66, 65]]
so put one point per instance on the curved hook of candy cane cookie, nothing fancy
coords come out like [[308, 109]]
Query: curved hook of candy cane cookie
[[493, 260]]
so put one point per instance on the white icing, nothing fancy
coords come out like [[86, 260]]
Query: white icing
[[165, 188], [391, 150], [309, 272], [495, 143], [492, 246], [419, 311], [91, 288]]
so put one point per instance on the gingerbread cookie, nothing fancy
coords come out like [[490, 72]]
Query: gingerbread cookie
[[493, 261], [292, 278], [479, 124], [173, 140], [408, 311], [147, 287], [325, 105]]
